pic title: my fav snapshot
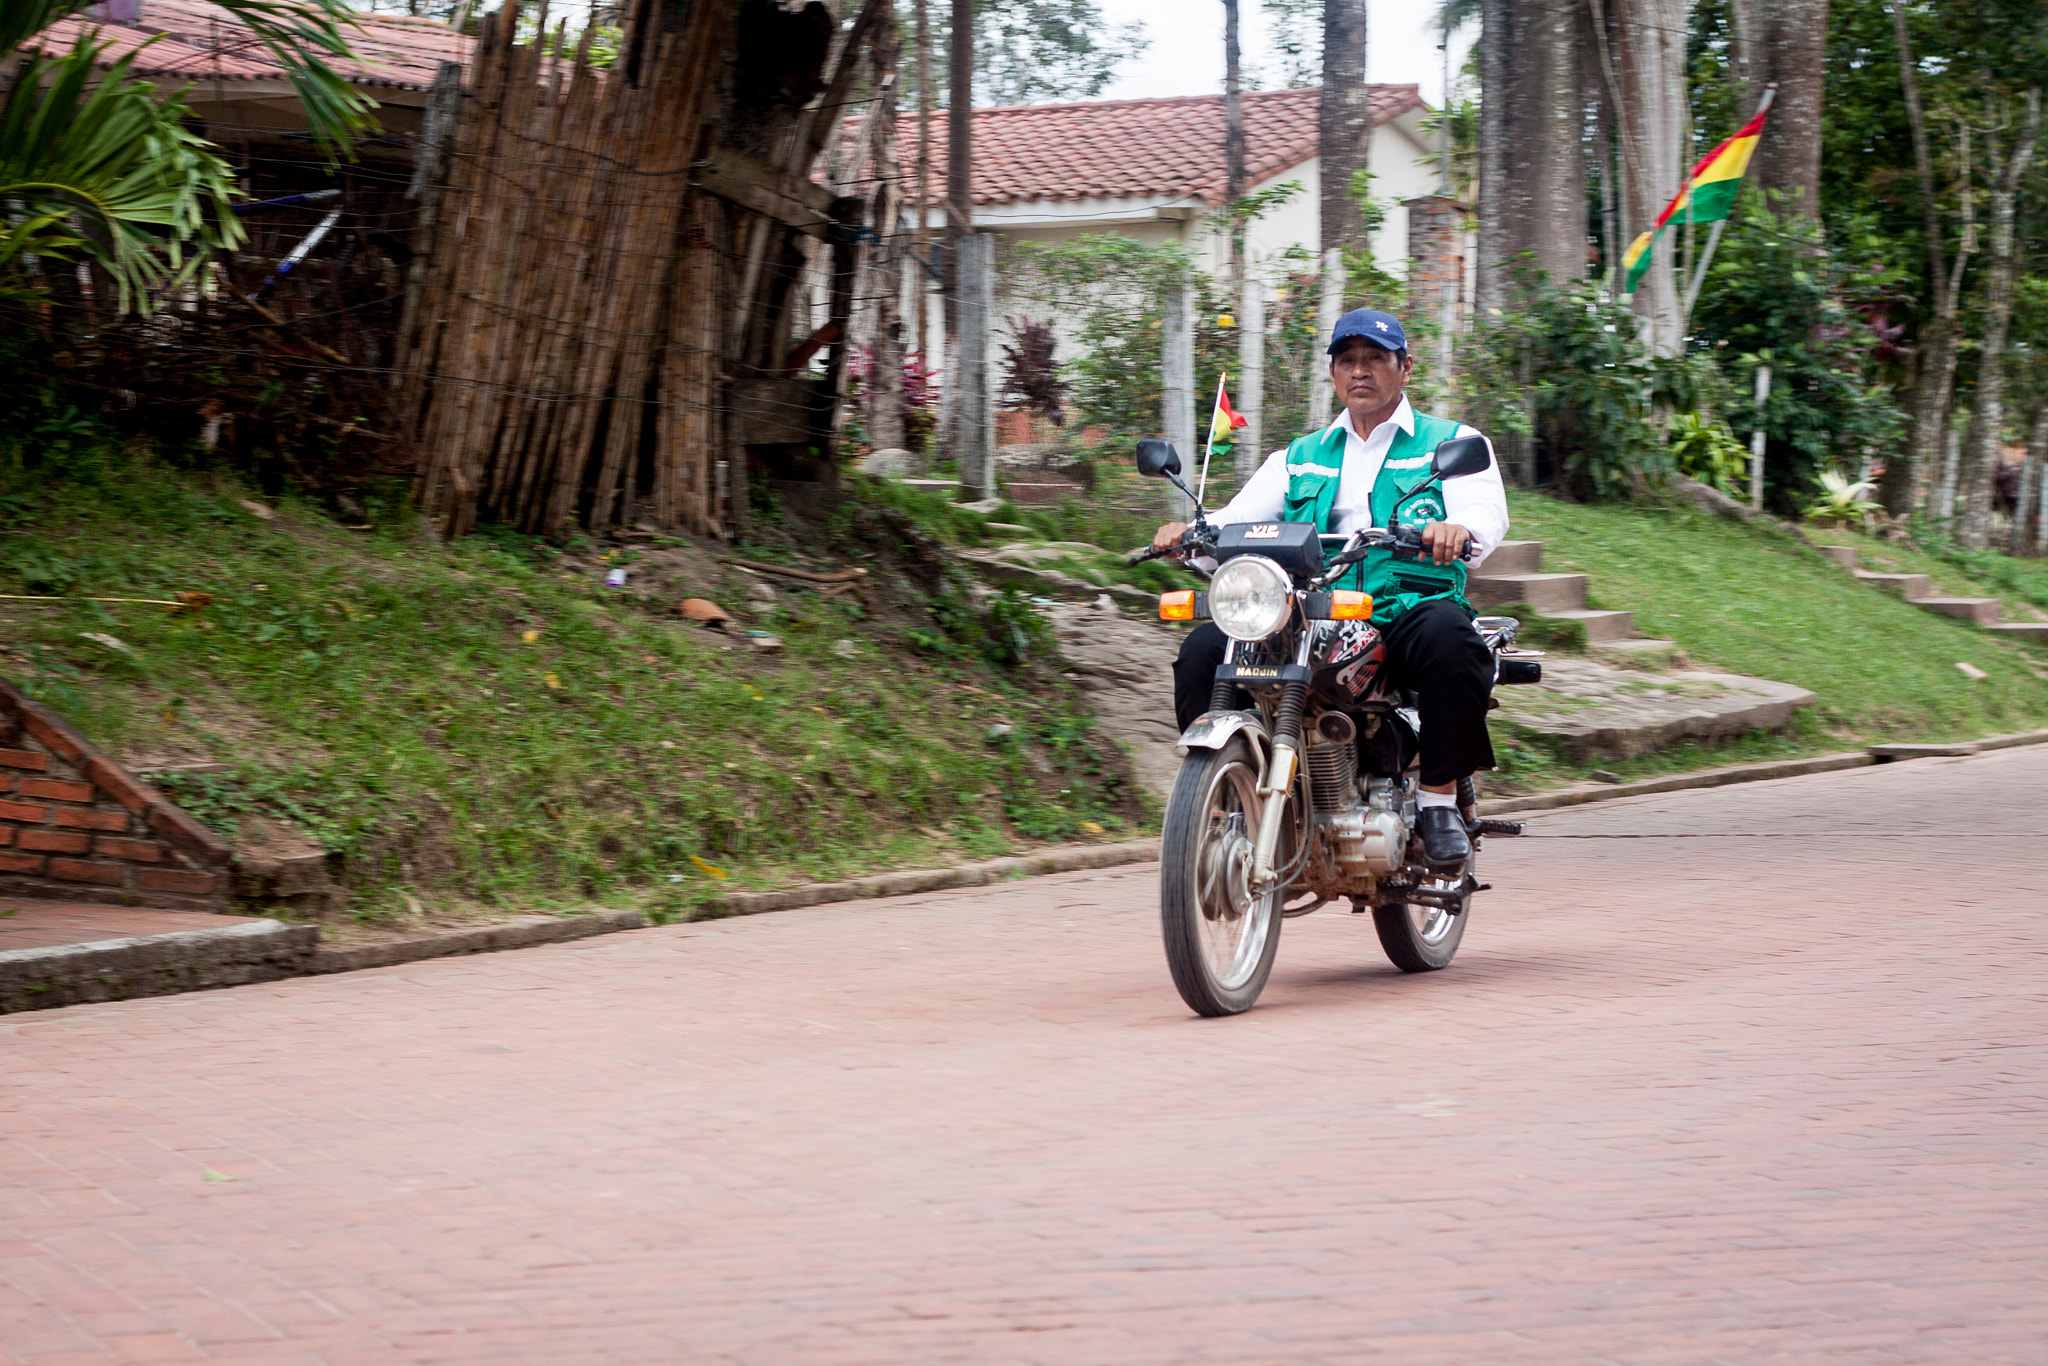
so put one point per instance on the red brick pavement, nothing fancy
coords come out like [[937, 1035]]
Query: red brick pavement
[[1748, 1075]]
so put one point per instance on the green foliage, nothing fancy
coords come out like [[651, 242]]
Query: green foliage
[[100, 166], [300, 34], [1571, 361], [1110, 288], [382, 694], [1756, 600], [1026, 51], [1295, 34], [1704, 449], [1779, 294], [1840, 500]]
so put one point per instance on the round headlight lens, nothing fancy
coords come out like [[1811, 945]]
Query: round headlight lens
[[1249, 597]]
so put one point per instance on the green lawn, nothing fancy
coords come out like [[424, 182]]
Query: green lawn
[[485, 724], [1755, 600]]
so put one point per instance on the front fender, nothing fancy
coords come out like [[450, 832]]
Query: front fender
[[1212, 730]]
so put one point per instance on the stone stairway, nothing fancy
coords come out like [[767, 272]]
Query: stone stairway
[[1918, 589], [1514, 573]]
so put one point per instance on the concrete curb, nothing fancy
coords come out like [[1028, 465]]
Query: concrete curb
[[522, 932], [1755, 773], [153, 965], [1065, 859]]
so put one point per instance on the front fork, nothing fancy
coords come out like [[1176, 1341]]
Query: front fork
[[1280, 772]]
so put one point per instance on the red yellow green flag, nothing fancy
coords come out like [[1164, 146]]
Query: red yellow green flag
[[1708, 196], [1224, 424]]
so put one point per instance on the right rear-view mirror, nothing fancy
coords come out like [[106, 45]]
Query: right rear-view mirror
[[1462, 455]]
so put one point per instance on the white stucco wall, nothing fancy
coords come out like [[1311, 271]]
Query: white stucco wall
[[1403, 165]]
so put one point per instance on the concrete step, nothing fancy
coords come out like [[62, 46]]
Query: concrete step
[[1982, 611], [1549, 594], [2032, 632], [1843, 555], [1594, 710], [1512, 557], [1911, 587], [1602, 627]]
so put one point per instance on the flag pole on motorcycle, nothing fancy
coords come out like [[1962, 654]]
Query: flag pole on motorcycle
[[1223, 425]]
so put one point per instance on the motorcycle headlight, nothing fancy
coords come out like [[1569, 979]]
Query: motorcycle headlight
[[1249, 597]]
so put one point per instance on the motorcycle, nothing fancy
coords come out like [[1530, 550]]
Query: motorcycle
[[1309, 794]]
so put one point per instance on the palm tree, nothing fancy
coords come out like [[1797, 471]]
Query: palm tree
[[103, 169], [97, 165], [299, 33]]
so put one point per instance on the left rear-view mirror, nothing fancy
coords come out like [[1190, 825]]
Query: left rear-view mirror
[[1157, 458]]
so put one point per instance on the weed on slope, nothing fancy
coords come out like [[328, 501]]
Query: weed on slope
[[485, 723]]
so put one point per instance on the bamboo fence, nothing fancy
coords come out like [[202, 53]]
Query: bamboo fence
[[563, 358]]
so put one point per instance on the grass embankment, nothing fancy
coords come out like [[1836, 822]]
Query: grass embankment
[[485, 725], [1754, 600]]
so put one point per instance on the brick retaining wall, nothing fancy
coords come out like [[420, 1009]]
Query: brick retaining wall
[[76, 826]]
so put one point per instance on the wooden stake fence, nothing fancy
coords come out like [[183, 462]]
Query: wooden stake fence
[[564, 355]]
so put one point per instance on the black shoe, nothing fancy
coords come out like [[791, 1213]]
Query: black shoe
[[1444, 841]]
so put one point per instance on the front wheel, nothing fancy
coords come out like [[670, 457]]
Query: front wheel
[[1421, 938], [1220, 939]]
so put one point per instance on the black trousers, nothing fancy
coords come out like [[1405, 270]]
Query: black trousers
[[1431, 650]]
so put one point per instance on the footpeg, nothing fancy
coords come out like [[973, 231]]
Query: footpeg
[[1506, 829]]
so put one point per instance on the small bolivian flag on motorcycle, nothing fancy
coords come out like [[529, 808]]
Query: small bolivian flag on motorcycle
[[1223, 426]]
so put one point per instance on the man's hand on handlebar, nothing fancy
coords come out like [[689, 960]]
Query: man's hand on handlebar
[[1446, 541], [1168, 536]]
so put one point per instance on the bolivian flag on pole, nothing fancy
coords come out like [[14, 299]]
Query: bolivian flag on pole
[[1224, 424], [1708, 196]]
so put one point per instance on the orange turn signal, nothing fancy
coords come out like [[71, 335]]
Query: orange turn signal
[[1348, 605], [1178, 605]]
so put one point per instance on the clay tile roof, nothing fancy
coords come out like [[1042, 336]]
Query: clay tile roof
[[202, 42], [1118, 148]]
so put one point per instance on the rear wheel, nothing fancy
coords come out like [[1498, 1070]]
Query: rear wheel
[[1220, 939], [1421, 938]]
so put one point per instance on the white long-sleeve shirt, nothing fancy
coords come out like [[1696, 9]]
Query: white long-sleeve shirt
[[1476, 502]]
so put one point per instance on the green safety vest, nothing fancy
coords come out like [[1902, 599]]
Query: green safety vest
[[1314, 465]]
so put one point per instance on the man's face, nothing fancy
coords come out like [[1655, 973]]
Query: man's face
[[1366, 377]]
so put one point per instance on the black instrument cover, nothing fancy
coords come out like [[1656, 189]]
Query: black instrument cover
[[1294, 546]]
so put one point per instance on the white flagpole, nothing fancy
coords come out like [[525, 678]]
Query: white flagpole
[[1699, 276], [1209, 448]]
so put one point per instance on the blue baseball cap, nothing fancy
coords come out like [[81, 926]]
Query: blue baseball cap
[[1381, 329]]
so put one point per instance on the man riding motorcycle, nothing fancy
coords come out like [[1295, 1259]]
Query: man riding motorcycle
[[1353, 474]]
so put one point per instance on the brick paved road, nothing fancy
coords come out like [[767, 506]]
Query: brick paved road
[[1751, 1075]]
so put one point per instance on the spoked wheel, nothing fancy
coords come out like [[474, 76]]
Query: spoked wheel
[[1421, 938], [1220, 939]]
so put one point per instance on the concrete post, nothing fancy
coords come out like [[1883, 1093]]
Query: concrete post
[[1177, 389], [1330, 308], [974, 413], [1251, 374], [1436, 273]]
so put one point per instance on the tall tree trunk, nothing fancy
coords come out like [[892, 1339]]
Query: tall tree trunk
[[1907, 474], [1500, 194], [1533, 180], [924, 178], [885, 406], [959, 194], [1785, 42], [1980, 458], [1647, 38], [1233, 140], [2036, 469], [1344, 124]]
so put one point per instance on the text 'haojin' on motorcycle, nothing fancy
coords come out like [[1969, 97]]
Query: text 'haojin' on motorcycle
[[1308, 795]]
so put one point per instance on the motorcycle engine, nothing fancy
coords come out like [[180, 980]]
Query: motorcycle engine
[[1359, 837]]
